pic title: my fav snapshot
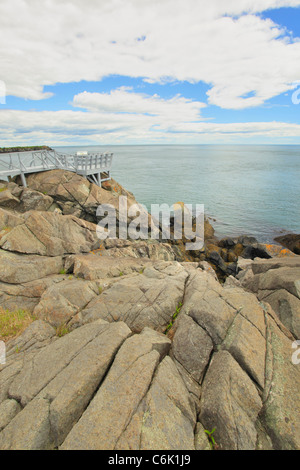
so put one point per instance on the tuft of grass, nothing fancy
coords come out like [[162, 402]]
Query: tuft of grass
[[211, 439], [174, 316], [2, 189], [62, 330], [62, 271], [13, 323], [121, 273]]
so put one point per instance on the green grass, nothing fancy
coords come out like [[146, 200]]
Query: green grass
[[13, 323], [2, 189], [62, 330], [174, 316], [211, 439], [62, 271]]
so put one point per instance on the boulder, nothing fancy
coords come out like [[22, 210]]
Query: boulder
[[28, 294], [23, 199], [277, 282], [60, 302], [290, 241], [51, 234], [99, 265], [75, 195]]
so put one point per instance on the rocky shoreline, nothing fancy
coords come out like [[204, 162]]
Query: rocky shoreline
[[162, 346]]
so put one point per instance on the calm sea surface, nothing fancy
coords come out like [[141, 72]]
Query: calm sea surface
[[247, 189]]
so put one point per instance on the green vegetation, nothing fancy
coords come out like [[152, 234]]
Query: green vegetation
[[62, 271], [23, 149], [121, 273], [62, 330], [211, 439], [13, 323], [174, 316]]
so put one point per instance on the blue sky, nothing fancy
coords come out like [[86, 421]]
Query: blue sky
[[130, 73]]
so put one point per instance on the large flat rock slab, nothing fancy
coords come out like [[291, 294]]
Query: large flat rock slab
[[230, 403], [56, 385], [127, 382], [146, 299], [19, 269]]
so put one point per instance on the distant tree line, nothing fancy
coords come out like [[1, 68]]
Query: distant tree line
[[23, 149]]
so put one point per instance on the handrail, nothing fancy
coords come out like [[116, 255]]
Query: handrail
[[87, 165]]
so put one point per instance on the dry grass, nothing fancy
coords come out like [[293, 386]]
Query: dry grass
[[13, 323]]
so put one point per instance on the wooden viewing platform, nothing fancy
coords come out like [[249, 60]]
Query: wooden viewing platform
[[94, 166]]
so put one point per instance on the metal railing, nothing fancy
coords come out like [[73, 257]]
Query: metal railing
[[91, 165]]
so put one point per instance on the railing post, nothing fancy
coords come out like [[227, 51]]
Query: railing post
[[23, 179]]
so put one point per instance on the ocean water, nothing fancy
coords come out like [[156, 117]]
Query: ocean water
[[251, 189]]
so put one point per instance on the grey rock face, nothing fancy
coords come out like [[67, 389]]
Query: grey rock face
[[18, 269], [165, 419], [51, 234], [127, 382], [60, 302], [140, 300], [116, 382], [277, 282], [8, 410], [56, 384], [191, 347], [281, 410], [230, 403]]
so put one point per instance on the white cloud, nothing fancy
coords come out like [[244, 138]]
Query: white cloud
[[80, 128], [123, 100], [43, 43]]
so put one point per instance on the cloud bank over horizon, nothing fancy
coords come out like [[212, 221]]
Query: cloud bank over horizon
[[242, 59]]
